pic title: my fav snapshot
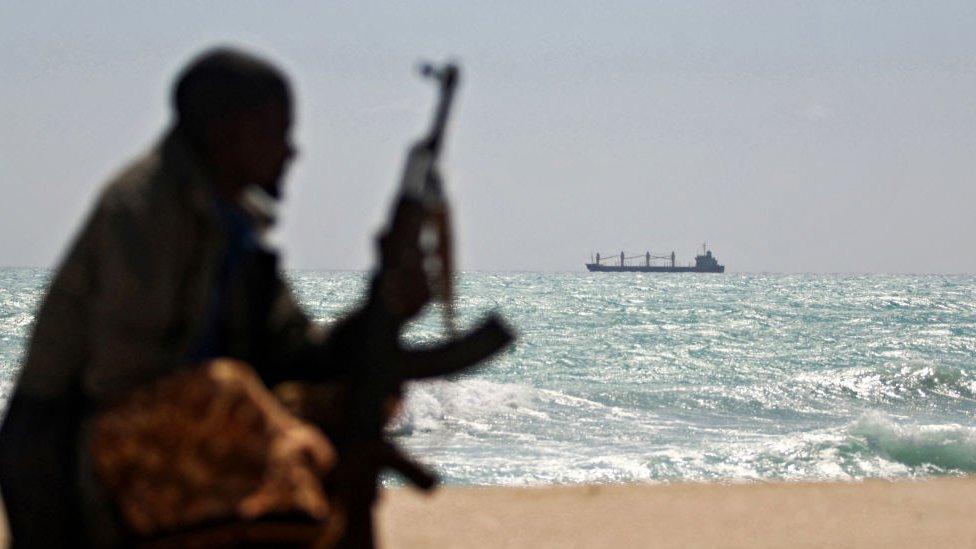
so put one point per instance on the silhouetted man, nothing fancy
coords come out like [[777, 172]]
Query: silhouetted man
[[171, 269]]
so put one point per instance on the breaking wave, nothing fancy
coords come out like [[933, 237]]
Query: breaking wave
[[949, 447], [433, 405]]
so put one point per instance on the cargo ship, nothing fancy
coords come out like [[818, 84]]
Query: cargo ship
[[647, 263]]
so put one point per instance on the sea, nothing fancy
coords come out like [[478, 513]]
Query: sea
[[643, 377]]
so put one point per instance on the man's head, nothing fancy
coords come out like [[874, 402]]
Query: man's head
[[235, 109]]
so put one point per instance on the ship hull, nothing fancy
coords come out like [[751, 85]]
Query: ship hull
[[597, 268]]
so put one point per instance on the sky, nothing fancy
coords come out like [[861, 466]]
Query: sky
[[825, 136]]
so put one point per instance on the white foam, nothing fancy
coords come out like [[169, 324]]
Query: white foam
[[429, 405], [6, 391]]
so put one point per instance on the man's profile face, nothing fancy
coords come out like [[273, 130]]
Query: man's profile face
[[262, 146]]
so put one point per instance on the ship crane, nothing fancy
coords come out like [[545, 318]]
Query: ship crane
[[622, 258]]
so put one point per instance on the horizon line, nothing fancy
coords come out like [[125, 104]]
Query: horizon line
[[568, 271]]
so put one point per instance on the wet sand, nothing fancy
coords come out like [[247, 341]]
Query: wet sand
[[930, 513]]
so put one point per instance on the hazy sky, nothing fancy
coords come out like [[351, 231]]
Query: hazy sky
[[791, 136]]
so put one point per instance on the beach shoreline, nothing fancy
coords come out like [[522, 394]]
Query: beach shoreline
[[934, 512]]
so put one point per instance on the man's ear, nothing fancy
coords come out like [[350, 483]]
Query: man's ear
[[223, 136]]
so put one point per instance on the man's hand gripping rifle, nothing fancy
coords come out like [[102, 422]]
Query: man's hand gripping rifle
[[416, 267]]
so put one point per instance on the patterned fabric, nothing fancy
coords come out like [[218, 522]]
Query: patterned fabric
[[204, 445]]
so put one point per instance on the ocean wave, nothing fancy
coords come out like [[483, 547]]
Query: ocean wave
[[471, 406], [906, 381], [936, 378], [431, 405], [950, 447]]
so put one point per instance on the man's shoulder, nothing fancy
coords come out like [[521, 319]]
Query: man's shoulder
[[153, 180], [134, 181]]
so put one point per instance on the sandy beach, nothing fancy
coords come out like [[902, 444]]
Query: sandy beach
[[929, 513], [926, 513]]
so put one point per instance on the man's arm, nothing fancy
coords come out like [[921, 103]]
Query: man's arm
[[136, 294], [297, 349]]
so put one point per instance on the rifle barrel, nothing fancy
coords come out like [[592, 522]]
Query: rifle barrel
[[447, 77]]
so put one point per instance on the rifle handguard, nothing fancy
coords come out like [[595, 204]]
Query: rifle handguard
[[489, 338]]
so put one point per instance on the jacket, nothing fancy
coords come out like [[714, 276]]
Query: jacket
[[124, 307]]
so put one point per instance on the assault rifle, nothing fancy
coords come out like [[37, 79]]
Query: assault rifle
[[420, 222]]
